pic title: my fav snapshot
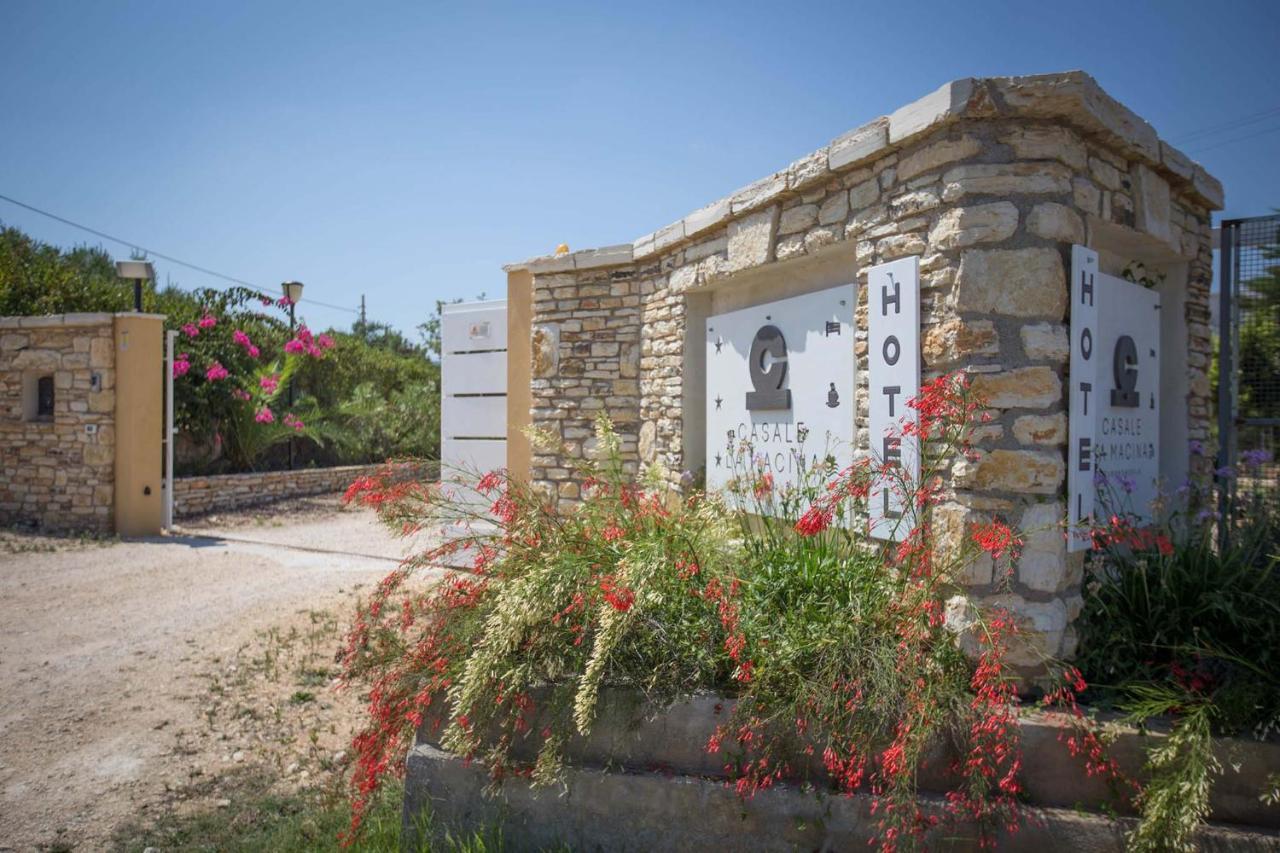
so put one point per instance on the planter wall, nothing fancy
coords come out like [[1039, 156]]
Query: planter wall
[[646, 782]]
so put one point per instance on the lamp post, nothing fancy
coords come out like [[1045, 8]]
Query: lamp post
[[292, 295], [138, 272]]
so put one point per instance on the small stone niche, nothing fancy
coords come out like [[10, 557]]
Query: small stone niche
[[38, 396]]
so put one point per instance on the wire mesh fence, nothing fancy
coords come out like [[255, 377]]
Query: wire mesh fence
[[1249, 356]]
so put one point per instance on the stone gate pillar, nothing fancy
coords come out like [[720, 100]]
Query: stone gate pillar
[[989, 182]]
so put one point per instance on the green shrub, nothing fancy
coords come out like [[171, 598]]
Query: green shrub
[[834, 645]]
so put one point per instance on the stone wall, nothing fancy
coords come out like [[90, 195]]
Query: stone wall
[[58, 470], [989, 182], [199, 495]]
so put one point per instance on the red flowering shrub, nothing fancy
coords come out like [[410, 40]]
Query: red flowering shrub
[[835, 645]]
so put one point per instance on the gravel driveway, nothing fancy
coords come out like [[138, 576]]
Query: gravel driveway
[[105, 653]]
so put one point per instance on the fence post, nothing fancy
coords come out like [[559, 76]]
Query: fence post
[[1226, 378]]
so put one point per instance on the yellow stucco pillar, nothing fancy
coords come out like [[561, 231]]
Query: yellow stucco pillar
[[519, 371], [139, 423]]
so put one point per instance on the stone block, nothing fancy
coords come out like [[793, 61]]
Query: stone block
[[900, 246], [102, 402], [1152, 205], [1054, 221], [751, 240], [758, 193], [834, 209], [937, 154], [708, 217], [864, 195], [1046, 342], [1036, 178], [14, 341], [858, 145], [37, 359], [1042, 565], [1086, 196], [912, 203], [1013, 282], [1022, 471], [1020, 388], [955, 339], [545, 346], [796, 219], [818, 237], [808, 170], [1076, 97], [935, 109], [97, 455], [952, 523], [980, 223], [1041, 429], [1047, 143]]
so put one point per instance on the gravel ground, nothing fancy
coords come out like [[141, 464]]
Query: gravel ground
[[132, 671]]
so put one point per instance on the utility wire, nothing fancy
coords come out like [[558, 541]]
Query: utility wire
[[1263, 132], [170, 258], [1230, 124]]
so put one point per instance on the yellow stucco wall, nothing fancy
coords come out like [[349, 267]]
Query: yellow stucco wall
[[139, 423], [519, 371]]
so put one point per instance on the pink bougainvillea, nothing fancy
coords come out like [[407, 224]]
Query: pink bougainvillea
[[181, 365], [191, 330], [292, 420], [208, 321], [270, 383], [216, 372], [265, 416]]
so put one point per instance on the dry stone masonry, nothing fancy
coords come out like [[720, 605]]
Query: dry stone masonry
[[58, 466], [989, 182]]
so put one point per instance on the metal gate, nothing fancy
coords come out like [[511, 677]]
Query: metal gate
[[473, 417], [1249, 356]]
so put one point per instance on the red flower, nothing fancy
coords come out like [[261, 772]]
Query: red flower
[[619, 597], [995, 538], [815, 520]]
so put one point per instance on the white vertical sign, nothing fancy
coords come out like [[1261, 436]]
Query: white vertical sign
[[893, 356], [1081, 492]]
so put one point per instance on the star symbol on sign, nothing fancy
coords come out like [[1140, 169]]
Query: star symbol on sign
[[719, 343], [717, 460], [719, 400]]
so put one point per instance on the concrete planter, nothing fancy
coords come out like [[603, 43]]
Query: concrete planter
[[645, 782]]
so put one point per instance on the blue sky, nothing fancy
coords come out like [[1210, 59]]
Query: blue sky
[[405, 151]]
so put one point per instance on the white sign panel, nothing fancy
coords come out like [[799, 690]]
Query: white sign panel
[[1114, 458], [780, 388], [893, 356]]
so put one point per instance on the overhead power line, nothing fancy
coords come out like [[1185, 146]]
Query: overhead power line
[[1263, 132], [1230, 124], [170, 258]]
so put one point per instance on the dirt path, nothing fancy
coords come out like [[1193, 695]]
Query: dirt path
[[136, 673]]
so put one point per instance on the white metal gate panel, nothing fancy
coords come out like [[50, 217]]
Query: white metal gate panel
[[473, 416]]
